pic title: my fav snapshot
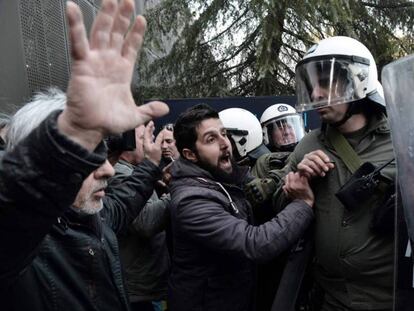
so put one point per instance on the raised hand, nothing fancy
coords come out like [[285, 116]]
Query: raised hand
[[314, 164], [152, 149], [99, 96]]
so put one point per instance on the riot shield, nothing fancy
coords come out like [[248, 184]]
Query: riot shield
[[398, 83]]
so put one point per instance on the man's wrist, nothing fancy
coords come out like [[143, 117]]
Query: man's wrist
[[309, 202], [155, 162], [88, 139]]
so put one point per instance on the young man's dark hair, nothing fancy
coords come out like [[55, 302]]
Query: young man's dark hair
[[185, 128]]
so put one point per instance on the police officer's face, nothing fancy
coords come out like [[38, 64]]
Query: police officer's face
[[321, 92], [89, 198], [283, 134], [332, 114], [213, 146]]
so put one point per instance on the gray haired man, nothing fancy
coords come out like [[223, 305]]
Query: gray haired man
[[56, 251]]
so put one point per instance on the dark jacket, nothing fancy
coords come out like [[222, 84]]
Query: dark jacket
[[50, 257], [143, 248], [145, 257], [215, 243]]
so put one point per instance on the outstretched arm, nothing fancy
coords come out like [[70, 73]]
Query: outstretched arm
[[40, 178]]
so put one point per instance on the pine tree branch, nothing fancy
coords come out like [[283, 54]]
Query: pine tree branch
[[225, 30], [400, 5]]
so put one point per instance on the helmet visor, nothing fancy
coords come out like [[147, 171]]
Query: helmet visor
[[327, 82], [283, 132]]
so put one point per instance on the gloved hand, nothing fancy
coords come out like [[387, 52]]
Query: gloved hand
[[260, 190]]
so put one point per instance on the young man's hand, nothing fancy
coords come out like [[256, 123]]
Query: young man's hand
[[297, 187]]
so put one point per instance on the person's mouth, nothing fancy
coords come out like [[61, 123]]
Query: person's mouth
[[323, 109], [100, 192], [225, 160]]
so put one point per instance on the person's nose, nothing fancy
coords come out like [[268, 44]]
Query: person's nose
[[318, 93], [224, 142], [106, 170]]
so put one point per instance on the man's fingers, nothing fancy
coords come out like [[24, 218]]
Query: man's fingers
[[121, 24], [102, 25], [316, 161], [287, 185], [150, 111], [323, 160], [159, 138], [306, 170], [134, 39], [149, 131], [319, 162], [322, 155], [319, 167], [77, 32]]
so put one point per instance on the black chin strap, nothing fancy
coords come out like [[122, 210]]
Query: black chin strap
[[349, 113]]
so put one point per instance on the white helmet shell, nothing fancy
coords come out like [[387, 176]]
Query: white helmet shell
[[276, 111], [341, 66], [244, 128], [282, 127]]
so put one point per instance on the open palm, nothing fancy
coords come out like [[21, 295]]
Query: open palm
[[99, 96]]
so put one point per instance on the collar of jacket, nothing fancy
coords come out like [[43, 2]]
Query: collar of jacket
[[74, 219], [376, 124], [183, 168]]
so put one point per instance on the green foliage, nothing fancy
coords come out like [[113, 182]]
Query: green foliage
[[250, 48]]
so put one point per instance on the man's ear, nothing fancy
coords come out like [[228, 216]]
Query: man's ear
[[189, 155]]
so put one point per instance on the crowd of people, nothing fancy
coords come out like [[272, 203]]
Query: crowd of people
[[218, 211]]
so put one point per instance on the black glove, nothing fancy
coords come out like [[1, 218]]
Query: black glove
[[258, 191]]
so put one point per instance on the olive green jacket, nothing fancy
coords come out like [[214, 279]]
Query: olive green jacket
[[267, 162], [352, 263]]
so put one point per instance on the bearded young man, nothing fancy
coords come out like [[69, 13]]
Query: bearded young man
[[214, 238]]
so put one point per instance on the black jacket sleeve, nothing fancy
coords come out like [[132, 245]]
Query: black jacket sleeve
[[207, 222], [125, 200], [153, 218], [39, 179]]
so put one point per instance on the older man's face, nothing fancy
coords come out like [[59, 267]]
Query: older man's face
[[89, 198]]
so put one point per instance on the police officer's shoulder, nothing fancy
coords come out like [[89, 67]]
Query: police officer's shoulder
[[274, 160], [277, 156], [382, 127], [311, 137]]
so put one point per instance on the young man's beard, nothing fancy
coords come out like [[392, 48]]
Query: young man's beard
[[219, 174]]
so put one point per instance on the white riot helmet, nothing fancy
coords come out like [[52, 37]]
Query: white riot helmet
[[282, 127], [337, 70], [245, 132]]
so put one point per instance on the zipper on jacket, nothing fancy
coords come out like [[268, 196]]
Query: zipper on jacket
[[62, 225], [232, 204]]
